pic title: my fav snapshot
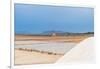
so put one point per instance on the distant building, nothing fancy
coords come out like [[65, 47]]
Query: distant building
[[53, 34]]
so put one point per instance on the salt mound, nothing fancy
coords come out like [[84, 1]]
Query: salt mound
[[81, 53]]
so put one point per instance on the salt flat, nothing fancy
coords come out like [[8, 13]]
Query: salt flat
[[29, 49]]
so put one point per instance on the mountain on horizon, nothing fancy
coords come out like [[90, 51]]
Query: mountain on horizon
[[64, 33]]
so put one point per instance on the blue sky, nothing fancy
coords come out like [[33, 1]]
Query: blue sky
[[34, 19]]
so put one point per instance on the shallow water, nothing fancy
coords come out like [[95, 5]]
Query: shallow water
[[55, 47]]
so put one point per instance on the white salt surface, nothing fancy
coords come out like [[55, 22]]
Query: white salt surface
[[55, 47]]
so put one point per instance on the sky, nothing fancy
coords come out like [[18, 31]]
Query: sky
[[35, 19]]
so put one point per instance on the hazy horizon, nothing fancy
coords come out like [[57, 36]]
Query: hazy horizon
[[35, 19]]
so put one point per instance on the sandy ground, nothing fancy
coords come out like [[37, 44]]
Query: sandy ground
[[52, 38], [25, 57]]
